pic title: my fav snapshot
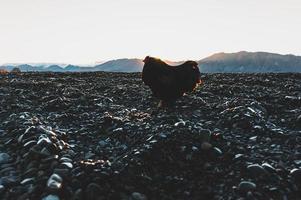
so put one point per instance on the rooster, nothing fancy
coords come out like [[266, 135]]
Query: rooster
[[168, 83]]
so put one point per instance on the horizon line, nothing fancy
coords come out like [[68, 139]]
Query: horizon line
[[107, 60]]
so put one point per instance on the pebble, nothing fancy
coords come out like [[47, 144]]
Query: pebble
[[51, 197], [9, 180], [102, 143], [297, 162], [117, 130], [2, 188], [217, 152], [4, 158], [67, 164], [162, 135], [296, 174], [246, 186], [27, 181], [268, 167], [65, 159], [138, 196], [238, 157], [180, 123], [194, 148], [253, 139], [256, 170], [55, 182], [43, 140]]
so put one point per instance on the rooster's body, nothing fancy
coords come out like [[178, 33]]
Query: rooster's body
[[170, 82]]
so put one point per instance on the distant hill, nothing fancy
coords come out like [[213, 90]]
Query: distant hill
[[72, 68], [54, 68], [241, 62], [248, 62], [121, 65]]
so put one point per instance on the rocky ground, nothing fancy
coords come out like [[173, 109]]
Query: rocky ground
[[101, 136]]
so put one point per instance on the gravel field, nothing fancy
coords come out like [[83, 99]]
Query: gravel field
[[101, 136]]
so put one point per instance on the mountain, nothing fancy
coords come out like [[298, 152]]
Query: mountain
[[54, 68], [72, 68], [121, 65], [27, 68], [250, 62], [240, 62]]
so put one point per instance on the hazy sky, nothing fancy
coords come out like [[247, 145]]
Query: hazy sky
[[86, 31]]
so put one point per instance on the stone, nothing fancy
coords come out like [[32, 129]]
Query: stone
[[256, 170], [27, 181], [246, 186], [217, 152], [296, 175], [9, 180], [4, 158], [180, 123], [268, 167], [51, 197], [138, 196], [67, 165], [55, 182]]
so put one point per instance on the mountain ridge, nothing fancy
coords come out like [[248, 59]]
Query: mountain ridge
[[238, 62], [244, 61]]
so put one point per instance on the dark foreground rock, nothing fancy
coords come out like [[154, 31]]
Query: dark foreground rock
[[101, 136]]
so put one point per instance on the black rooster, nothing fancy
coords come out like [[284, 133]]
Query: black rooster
[[170, 82]]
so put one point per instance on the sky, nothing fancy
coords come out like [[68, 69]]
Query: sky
[[89, 31]]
